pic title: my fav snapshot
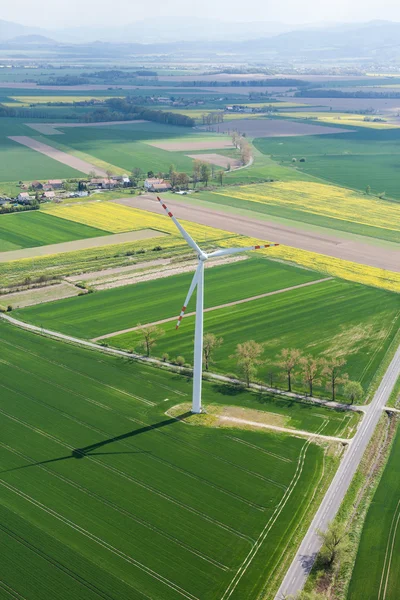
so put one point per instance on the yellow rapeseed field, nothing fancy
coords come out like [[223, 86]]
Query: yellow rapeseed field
[[339, 118], [116, 218], [321, 199], [336, 267]]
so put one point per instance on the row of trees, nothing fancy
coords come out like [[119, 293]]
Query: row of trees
[[240, 142], [290, 362], [212, 118]]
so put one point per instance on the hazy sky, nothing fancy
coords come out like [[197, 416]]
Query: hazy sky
[[59, 13]]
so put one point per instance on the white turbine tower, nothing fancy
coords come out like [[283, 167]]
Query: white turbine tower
[[198, 280]]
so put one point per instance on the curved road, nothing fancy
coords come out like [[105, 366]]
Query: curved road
[[321, 241], [300, 568]]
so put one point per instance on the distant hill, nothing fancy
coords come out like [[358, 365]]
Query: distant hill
[[9, 30], [211, 37]]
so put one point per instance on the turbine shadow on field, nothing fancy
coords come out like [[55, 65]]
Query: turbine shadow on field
[[89, 450]]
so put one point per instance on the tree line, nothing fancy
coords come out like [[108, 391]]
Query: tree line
[[290, 363]]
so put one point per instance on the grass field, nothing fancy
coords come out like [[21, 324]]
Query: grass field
[[376, 574], [325, 319], [119, 308], [35, 228], [317, 204], [103, 496], [365, 157]]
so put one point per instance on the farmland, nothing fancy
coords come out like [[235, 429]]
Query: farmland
[[327, 319], [318, 204], [365, 157], [376, 574], [140, 303], [344, 119], [35, 228], [96, 480], [331, 318]]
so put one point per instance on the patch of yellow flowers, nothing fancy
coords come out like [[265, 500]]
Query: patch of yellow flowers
[[336, 267], [325, 200], [339, 118], [116, 218]]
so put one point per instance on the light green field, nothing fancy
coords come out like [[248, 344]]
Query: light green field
[[34, 228], [111, 310], [365, 157], [376, 574], [326, 319], [104, 496]]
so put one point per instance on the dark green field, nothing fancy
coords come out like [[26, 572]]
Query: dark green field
[[112, 310], [34, 228], [376, 574], [355, 160], [104, 496]]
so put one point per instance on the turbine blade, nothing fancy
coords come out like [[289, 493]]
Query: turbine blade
[[184, 233], [189, 294], [227, 251]]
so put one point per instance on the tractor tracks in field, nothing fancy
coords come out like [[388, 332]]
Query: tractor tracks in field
[[212, 308]]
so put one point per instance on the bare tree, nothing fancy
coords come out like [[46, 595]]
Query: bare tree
[[247, 358], [109, 175], [220, 177], [210, 343], [196, 172], [182, 180], [288, 360], [150, 335], [310, 370], [205, 173], [332, 370]]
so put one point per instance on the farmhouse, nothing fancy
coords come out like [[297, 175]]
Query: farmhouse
[[23, 197], [103, 182], [153, 184], [56, 184], [36, 185], [48, 196]]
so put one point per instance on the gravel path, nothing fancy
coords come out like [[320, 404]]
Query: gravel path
[[284, 429]]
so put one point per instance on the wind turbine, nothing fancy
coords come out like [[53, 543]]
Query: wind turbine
[[198, 280]]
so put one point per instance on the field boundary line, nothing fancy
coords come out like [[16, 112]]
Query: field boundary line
[[211, 308], [294, 432]]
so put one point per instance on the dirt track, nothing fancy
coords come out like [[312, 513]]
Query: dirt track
[[58, 155], [211, 144], [217, 159], [344, 248]]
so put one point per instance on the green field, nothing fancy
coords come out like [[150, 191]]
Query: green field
[[376, 574], [104, 496], [124, 145], [329, 318], [355, 160], [326, 319], [34, 228], [119, 308]]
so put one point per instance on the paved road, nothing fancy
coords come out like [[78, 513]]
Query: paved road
[[299, 569], [321, 241]]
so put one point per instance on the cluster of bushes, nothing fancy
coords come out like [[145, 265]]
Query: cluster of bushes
[[5, 210]]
